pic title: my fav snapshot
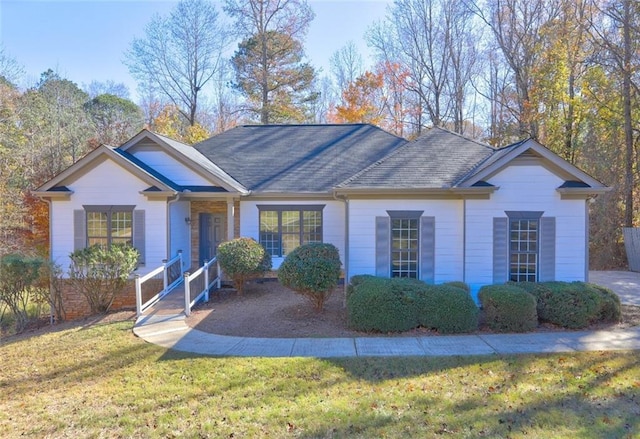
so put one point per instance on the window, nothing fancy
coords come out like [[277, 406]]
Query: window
[[404, 247], [524, 228], [108, 225], [283, 228], [405, 227]]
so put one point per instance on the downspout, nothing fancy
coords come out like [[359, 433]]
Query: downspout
[[464, 240], [586, 237], [345, 200], [51, 311]]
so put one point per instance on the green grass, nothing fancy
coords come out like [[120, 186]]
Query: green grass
[[102, 381]]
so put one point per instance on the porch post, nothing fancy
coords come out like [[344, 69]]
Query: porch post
[[230, 219]]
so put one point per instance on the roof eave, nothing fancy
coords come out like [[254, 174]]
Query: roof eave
[[437, 193], [53, 195], [581, 193], [158, 195], [290, 195]]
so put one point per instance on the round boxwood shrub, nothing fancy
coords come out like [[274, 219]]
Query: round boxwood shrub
[[312, 270], [571, 305], [610, 310], [508, 308], [383, 305], [458, 284], [447, 309], [243, 259]]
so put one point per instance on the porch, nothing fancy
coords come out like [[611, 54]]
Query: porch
[[209, 224]]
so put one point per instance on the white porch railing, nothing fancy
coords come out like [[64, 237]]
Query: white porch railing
[[171, 277], [198, 283]]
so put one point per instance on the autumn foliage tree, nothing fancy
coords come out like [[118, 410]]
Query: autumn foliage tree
[[362, 101]]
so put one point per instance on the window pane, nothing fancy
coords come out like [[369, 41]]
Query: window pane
[[289, 243], [291, 221], [121, 227], [290, 230], [269, 236], [523, 247], [97, 228], [312, 226], [404, 247]]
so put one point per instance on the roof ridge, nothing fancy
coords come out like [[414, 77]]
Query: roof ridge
[[481, 163], [468, 139]]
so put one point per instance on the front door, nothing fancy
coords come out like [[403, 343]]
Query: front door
[[211, 235]]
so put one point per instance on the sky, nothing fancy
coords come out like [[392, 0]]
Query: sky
[[85, 40]]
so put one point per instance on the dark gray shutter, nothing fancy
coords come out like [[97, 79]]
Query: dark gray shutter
[[139, 234], [79, 229], [547, 253], [383, 246], [428, 249], [500, 250]]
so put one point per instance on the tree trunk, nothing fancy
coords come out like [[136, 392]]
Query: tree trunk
[[628, 128]]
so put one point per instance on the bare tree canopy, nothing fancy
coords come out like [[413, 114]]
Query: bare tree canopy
[[346, 65], [289, 17], [433, 41], [180, 53], [10, 70]]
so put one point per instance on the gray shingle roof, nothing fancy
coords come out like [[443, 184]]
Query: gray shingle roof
[[437, 159], [195, 156], [297, 158]]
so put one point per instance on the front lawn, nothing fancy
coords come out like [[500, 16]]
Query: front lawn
[[99, 380]]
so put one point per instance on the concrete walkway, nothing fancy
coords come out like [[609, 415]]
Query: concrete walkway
[[169, 330]]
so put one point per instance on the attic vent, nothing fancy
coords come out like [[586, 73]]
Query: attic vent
[[528, 154], [147, 143]]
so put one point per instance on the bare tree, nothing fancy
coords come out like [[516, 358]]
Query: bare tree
[[616, 30], [432, 40], [346, 65], [96, 88], [516, 25], [10, 69], [180, 54]]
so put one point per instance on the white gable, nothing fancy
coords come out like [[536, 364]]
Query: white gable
[[107, 183], [170, 167]]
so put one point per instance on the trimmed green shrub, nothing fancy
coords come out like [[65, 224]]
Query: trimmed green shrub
[[357, 280], [458, 284], [99, 273], [571, 305], [610, 309], [312, 270], [243, 259], [383, 305], [508, 308], [447, 309]]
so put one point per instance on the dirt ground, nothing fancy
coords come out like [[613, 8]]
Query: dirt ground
[[269, 310]]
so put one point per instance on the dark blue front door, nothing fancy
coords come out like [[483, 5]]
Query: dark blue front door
[[211, 233]]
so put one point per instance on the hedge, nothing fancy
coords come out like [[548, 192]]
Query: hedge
[[400, 304], [448, 309], [508, 308], [383, 305]]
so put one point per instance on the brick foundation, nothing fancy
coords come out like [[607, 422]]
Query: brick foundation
[[76, 306]]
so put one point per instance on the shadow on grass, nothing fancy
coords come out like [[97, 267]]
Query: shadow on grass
[[588, 395]]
